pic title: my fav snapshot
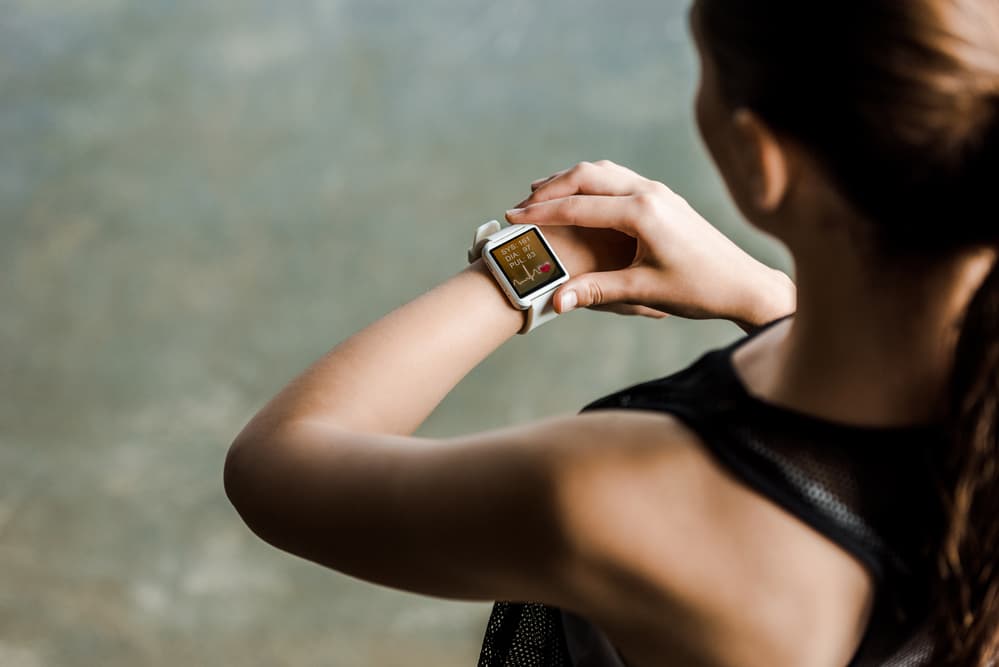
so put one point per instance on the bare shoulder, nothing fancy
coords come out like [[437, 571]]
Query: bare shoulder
[[620, 515], [673, 551]]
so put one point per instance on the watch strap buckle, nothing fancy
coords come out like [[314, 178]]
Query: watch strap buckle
[[482, 235]]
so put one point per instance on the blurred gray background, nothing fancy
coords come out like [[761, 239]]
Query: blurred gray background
[[199, 198]]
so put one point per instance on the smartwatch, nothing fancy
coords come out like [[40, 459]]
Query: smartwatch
[[524, 265]]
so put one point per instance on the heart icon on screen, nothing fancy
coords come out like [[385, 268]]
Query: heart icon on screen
[[545, 268]]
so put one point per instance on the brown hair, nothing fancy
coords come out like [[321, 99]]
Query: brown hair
[[898, 101]]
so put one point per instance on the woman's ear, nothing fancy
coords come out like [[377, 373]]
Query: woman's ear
[[762, 159]]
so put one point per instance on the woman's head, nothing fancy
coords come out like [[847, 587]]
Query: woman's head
[[894, 106], [897, 103]]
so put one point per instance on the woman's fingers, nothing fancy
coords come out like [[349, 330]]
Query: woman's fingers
[[604, 288], [538, 184], [592, 178], [631, 309], [604, 164], [542, 181], [625, 214]]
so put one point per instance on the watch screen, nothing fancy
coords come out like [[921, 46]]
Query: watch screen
[[527, 262]]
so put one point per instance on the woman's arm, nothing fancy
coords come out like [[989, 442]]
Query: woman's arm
[[324, 469], [390, 376], [583, 512], [629, 243]]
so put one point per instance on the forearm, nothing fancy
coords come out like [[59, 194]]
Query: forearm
[[391, 375]]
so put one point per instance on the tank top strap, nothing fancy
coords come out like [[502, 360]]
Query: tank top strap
[[868, 489]]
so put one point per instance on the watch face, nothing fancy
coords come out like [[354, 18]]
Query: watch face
[[527, 262]]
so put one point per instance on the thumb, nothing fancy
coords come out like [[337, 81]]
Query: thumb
[[596, 289]]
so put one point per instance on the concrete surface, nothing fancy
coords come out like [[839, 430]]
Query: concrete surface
[[197, 199]]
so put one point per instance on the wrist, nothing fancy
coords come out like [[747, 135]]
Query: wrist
[[492, 302], [584, 250], [774, 296], [525, 267]]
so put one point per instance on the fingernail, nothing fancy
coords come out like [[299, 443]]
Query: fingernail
[[569, 300], [515, 211]]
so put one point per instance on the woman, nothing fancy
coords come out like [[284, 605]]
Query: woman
[[819, 492]]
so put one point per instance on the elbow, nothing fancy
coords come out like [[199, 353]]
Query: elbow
[[260, 479], [245, 481], [269, 477], [236, 474]]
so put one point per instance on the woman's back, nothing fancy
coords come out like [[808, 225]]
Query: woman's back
[[869, 491]]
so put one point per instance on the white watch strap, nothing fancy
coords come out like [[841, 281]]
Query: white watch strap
[[482, 235], [542, 310]]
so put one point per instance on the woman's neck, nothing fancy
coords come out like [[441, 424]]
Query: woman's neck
[[868, 344]]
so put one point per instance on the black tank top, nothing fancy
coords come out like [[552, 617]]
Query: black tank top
[[871, 490]]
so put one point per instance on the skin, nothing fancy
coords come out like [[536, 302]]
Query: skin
[[618, 515]]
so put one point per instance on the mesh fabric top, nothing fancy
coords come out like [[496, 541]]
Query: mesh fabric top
[[868, 489]]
